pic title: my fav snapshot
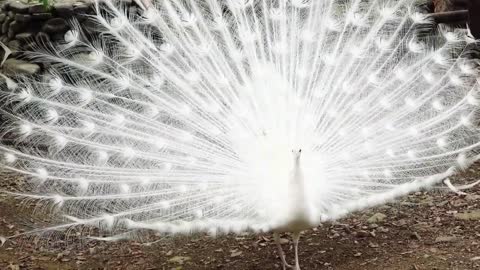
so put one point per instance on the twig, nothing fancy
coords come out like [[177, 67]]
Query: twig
[[451, 17]]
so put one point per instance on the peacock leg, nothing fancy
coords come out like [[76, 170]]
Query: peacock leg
[[280, 251], [296, 238]]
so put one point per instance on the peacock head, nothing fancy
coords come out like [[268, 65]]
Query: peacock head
[[296, 154]]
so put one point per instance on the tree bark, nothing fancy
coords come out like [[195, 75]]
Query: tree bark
[[475, 18]]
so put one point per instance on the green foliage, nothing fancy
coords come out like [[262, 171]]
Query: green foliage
[[46, 3]]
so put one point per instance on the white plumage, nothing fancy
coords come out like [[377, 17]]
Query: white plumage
[[183, 118]]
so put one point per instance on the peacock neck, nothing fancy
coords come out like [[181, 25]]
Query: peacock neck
[[301, 214], [297, 175]]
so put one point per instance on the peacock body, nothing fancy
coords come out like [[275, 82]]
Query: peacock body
[[183, 118]]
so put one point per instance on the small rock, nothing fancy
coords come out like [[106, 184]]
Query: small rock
[[80, 8], [10, 34], [235, 253], [41, 16], [284, 241], [446, 239], [377, 218], [179, 259], [13, 267], [408, 204], [443, 203], [19, 7], [63, 10], [24, 18], [362, 234], [415, 235], [5, 26], [470, 215], [169, 253], [15, 67], [474, 259], [37, 9], [422, 225], [358, 254], [4, 39], [472, 197], [459, 203], [401, 223], [2, 240], [14, 45], [16, 27], [81, 258], [24, 37], [55, 25]]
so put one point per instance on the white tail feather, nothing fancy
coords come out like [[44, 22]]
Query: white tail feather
[[453, 188]]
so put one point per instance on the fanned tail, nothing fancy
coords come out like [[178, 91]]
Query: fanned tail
[[183, 118]]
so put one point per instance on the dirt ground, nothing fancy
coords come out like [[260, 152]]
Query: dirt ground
[[426, 230]]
